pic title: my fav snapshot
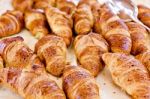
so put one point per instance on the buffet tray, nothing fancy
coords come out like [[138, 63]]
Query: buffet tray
[[108, 90]]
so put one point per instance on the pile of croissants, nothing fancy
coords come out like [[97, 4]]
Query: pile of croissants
[[99, 36]]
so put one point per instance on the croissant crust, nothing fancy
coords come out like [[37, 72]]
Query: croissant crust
[[22, 5], [52, 49], [83, 19], [30, 85], [60, 23], [79, 83], [144, 14], [139, 38], [16, 54], [11, 23], [129, 73], [114, 30], [88, 49], [36, 23]]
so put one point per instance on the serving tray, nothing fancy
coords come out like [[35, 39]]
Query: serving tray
[[108, 90]]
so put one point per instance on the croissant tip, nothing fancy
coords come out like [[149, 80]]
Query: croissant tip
[[6, 41]]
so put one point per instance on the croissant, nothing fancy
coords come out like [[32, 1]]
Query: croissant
[[145, 59], [95, 7], [30, 85], [114, 30], [66, 6], [94, 4], [61, 24], [52, 49], [83, 19], [17, 54], [144, 14], [42, 4], [88, 49], [139, 38], [11, 23], [129, 74], [36, 23], [22, 5], [78, 83]]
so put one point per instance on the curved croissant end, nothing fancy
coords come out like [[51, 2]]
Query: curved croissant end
[[11, 23]]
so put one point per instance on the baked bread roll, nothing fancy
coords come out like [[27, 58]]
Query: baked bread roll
[[88, 49], [17, 54], [95, 7], [139, 37], [83, 19], [145, 59], [66, 6], [36, 23], [129, 74], [114, 30], [78, 83], [42, 4], [11, 23], [52, 49], [22, 5], [60, 23], [94, 4], [30, 85], [144, 14]]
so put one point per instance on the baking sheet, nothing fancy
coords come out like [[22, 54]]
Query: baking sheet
[[107, 88]]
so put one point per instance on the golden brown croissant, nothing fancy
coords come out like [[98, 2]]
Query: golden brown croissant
[[88, 49], [60, 23], [30, 85], [66, 6], [22, 5], [144, 14], [145, 59], [11, 23], [95, 6], [129, 74], [83, 19], [42, 4], [139, 38], [36, 22], [52, 50], [114, 30], [17, 54], [78, 83]]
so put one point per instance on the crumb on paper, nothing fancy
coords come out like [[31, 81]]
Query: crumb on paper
[[114, 92]]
